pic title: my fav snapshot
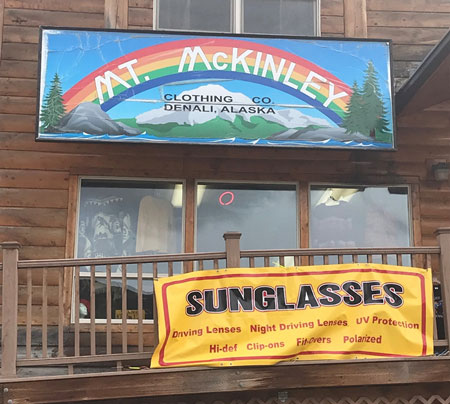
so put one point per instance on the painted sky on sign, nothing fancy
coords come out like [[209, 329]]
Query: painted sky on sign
[[158, 66], [76, 54]]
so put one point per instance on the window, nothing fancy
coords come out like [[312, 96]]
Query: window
[[195, 15], [120, 218], [347, 217], [278, 17], [130, 217], [266, 215]]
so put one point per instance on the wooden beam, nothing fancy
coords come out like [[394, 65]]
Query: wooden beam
[[2, 13], [116, 14], [70, 244], [9, 308], [443, 236], [189, 214], [194, 381], [232, 247], [355, 18], [416, 215], [369, 395], [303, 214]]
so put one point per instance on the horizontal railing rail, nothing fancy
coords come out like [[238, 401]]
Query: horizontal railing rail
[[91, 311], [136, 259], [341, 251], [189, 257]]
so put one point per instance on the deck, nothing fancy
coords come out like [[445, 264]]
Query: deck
[[60, 357]]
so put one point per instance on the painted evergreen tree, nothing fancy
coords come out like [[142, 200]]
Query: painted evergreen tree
[[373, 107], [53, 107], [353, 120]]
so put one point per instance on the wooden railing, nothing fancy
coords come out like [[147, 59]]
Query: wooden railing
[[82, 342]]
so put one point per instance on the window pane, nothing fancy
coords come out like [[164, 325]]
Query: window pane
[[359, 217], [195, 15], [264, 214], [121, 218], [116, 299], [286, 17]]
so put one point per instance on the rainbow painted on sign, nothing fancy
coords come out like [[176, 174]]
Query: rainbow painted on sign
[[210, 58]]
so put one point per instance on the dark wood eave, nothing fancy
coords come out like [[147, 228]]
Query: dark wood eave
[[430, 83]]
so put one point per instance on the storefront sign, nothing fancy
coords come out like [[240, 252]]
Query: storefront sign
[[210, 89], [261, 316]]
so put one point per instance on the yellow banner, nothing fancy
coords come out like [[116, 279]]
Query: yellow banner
[[261, 316]]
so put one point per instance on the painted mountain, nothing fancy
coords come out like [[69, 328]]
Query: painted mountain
[[89, 118], [224, 120]]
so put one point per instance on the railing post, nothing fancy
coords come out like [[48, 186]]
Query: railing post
[[10, 287], [233, 249], [443, 236]]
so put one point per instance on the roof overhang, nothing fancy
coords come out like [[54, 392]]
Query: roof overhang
[[430, 84]]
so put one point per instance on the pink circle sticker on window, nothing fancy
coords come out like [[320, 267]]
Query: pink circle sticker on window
[[226, 198]]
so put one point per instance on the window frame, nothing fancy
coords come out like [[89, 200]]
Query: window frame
[[411, 239], [87, 275], [189, 188], [237, 20]]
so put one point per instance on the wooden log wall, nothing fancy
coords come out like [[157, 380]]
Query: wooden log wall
[[415, 26], [332, 18], [429, 132], [140, 14], [38, 179]]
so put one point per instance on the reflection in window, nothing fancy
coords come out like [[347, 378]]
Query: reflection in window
[[350, 217], [264, 214], [116, 298], [278, 17], [128, 218], [122, 218], [195, 15]]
